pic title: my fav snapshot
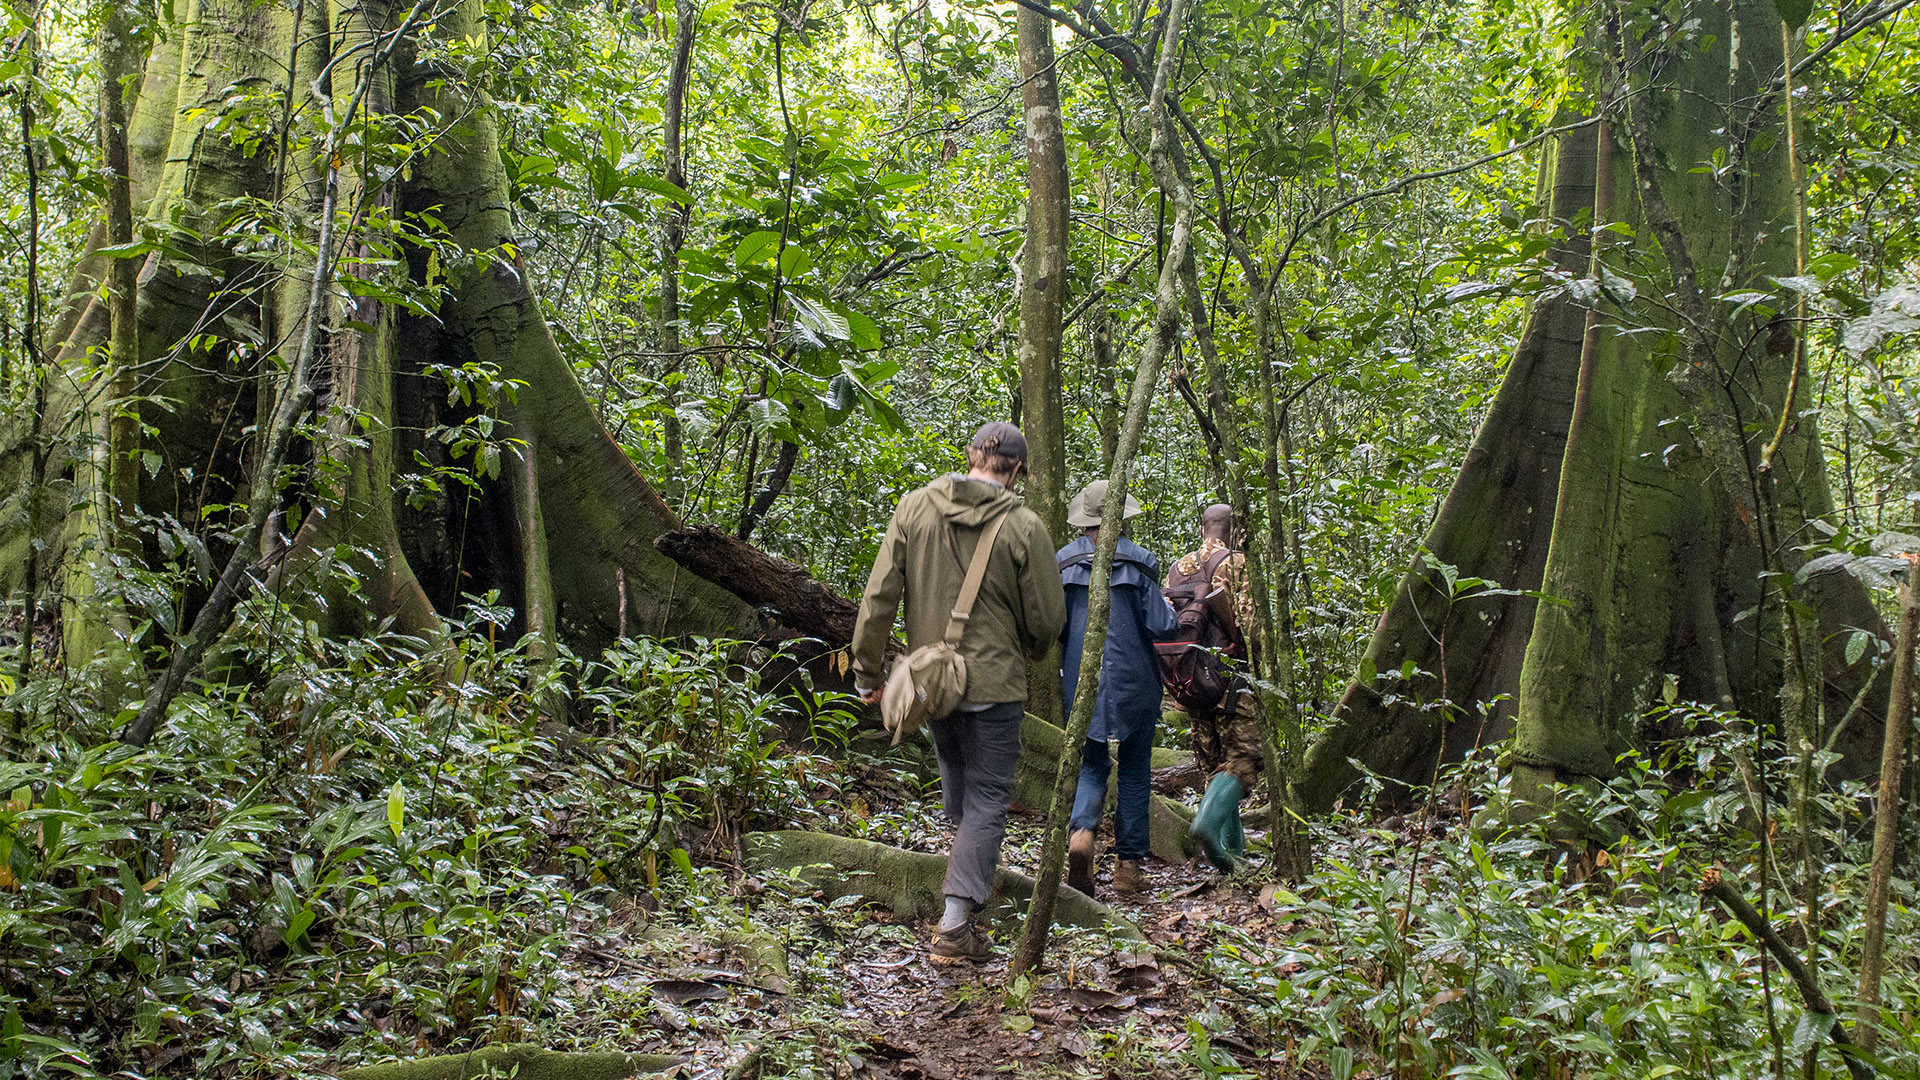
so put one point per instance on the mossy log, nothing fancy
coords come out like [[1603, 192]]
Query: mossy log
[[521, 1061], [1040, 749], [907, 882]]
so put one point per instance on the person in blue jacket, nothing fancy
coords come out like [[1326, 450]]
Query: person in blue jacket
[[1128, 705]]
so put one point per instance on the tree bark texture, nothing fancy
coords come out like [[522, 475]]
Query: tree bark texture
[[1043, 275], [1166, 326], [686, 17], [118, 43], [1886, 818], [1640, 522], [561, 517], [1494, 523], [1660, 544], [1043, 292]]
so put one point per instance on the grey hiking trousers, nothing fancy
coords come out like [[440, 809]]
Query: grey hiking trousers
[[978, 753]]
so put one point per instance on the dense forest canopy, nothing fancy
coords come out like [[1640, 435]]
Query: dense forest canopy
[[439, 439]]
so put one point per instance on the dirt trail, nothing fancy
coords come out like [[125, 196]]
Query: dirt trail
[[1101, 1007]]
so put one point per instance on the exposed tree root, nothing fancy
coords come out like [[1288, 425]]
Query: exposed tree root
[[521, 1060], [908, 882]]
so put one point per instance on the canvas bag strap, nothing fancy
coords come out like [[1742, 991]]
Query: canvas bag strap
[[970, 588]]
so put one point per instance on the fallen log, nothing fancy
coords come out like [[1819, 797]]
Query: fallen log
[[521, 1060], [763, 580], [907, 882]]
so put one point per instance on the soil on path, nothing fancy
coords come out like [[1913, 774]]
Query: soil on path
[[862, 999]]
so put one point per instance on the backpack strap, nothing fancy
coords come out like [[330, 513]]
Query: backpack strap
[[970, 588], [1201, 583], [1212, 567]]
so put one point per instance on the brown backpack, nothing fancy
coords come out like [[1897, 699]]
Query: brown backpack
[[1193, 664]]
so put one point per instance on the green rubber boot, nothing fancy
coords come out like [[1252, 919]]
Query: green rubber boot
[[1236, 835], [1217, 822]]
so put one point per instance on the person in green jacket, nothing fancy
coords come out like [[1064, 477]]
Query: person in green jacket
[[922, 561]]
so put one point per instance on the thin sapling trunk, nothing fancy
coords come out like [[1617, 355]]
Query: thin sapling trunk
[[1166, 325]]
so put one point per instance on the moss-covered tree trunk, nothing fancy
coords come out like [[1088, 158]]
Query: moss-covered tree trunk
[[1495, 523], [557, 518], [1644, 520]]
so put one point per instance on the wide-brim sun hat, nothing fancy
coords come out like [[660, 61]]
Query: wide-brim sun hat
[[1084, 511]]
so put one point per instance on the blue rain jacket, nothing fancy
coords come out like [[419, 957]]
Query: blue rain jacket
[[1130, 689]]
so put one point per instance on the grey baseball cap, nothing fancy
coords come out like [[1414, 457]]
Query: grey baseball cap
[[1000, 437]]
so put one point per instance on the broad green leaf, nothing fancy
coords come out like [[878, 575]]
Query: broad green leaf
[[795, 261], [1856, 647], [767, 415], [663, 188], [1794, 12], [756, 248], [863, 333], [816, 317]]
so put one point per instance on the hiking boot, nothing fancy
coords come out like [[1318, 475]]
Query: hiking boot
[[1080, 860], [1129, 877], [961, 945]]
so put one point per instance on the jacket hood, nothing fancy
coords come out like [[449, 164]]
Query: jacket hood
[[970, 502]]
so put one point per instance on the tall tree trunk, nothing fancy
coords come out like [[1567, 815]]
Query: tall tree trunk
[[1495, 523], [1043, 290], [553, 513], [1043, 275], [119, 42], [1164, 145], [1662, 538], [686, 15], [1886, 817], [1629, 553]]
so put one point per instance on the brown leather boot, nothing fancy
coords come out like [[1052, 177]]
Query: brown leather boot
[[1129, 877], [1080, 860]]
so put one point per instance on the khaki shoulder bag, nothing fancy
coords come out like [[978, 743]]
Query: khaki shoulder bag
[[929, 681]]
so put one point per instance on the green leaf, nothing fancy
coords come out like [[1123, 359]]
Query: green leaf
[[795, 261], [863, 332], [397, 808], [663, 188], [1856, 647], [127, 251], [1830, 265], [767, 415], [816, 317], [756, 248], [297, 926], [1794, 12]]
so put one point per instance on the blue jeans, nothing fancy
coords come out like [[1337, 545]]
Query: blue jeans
[[1131, 806]]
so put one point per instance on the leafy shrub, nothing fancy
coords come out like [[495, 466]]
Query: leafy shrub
[[379, 844], [1490, 951]]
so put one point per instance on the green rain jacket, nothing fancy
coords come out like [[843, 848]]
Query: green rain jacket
[[924, 558]]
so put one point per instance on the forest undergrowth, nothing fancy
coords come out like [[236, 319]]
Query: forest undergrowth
[[380, 848]]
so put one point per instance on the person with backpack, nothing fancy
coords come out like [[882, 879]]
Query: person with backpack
[[1213, 607], [1128, 704], [972, 565]]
